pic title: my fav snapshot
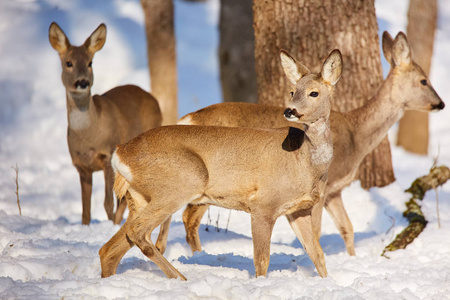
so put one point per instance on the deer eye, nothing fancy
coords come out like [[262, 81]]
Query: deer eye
[[90, 64], [423, 82], [69, 64], [292, 94], [314, 94]]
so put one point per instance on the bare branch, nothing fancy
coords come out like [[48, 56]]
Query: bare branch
[[417, 222]]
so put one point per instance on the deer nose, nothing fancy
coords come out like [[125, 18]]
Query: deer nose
[[291, 113], [288, 113], [439, 106], [82, 84]]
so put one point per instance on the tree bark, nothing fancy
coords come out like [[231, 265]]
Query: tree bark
[[310, 30], [159, 27], [237, 51], [422, 20]]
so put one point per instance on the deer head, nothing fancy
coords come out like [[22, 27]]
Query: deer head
[[416, 88], [311, 100], [76, 61]]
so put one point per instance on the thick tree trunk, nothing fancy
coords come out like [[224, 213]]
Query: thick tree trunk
[[422, 19], [159, 26], [309, 30], [237, 51]]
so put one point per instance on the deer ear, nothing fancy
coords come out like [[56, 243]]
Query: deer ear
[[294, 70], [332, 67], [58, 39], [387, 42], [401, 51], [97, 39]]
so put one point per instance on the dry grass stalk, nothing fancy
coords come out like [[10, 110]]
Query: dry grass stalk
[[16, 168]]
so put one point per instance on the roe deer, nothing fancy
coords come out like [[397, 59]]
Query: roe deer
[[97, 124], [266, 172], [355, 134]]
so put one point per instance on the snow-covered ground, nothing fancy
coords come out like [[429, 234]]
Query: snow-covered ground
[[47, 254]]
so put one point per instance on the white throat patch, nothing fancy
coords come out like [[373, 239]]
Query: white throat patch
[[79, 119], [322, 151], [322, 154]]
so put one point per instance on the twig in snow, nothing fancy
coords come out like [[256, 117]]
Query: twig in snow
[[208, 222], [392, 222], [228, 222], [217, 221], [17, 187], [437, 207]]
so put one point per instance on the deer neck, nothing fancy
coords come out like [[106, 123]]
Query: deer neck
[[319, 136], [372, 121], [80, 110]]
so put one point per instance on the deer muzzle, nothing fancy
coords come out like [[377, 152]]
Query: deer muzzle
[[292, 114], [81, 84], [439, 106]]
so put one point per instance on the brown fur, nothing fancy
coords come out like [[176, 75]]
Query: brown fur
[[355, 134], [121, 186], [266, 172], [97, 124]]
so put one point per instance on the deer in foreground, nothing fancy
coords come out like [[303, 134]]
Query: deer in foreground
[[265, 172], [355, 134], [97, 124]]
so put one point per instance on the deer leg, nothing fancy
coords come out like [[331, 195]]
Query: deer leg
[[301, 223], [335, 208], [109, 197], [86, 191], [192, 217], [161, 242], [262, 226], [140, 230], [316, 215], [113, 251]]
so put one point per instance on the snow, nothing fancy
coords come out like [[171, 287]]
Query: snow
[[47, 254]]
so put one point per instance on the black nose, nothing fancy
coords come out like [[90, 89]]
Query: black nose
[[288, 113], [439, 106], [81, 84]]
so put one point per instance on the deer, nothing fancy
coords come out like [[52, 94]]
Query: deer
[[355, 134], [97, 124], [265, 172]]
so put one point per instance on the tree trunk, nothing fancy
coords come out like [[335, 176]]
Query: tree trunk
[[422, 19], [309, 30], [237, 51], [159, 27]]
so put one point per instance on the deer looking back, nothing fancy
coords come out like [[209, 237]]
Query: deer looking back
[[97, 124], [355, 133], [266, 172]]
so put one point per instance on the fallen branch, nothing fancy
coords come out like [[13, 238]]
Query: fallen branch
[[417, 222]]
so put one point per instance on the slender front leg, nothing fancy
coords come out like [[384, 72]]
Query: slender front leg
[[262, 227], [109, 182], [335, 208], [316, 215], [86, 191], [192, 216], [301, 223]]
